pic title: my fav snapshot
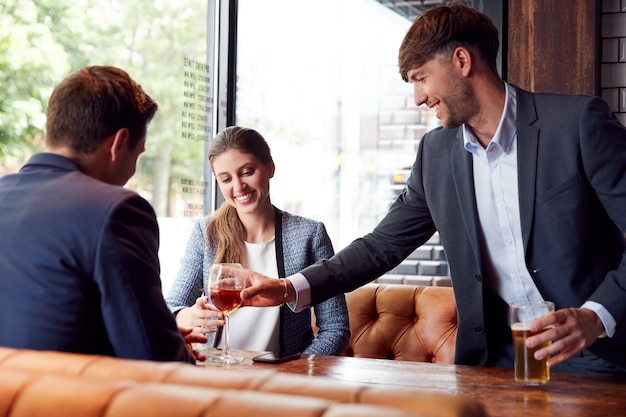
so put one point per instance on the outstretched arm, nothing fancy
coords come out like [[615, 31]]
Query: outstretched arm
[[263, 291]]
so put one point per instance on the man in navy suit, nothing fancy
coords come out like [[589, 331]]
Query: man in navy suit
[[527, 192], [79, 270]]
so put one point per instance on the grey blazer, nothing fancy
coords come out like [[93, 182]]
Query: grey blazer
[[299, 242], [572, 193]]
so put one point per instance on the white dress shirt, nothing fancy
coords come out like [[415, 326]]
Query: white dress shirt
[[497, 200]]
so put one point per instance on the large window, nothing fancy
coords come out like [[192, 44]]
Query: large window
[[161, 43], [318, 79]]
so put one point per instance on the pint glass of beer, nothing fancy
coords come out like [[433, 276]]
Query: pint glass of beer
[[528, 370]]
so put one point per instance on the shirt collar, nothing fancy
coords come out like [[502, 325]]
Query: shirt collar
[[505, 133]]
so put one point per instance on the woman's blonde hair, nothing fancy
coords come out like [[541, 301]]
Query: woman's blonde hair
[[226, 230]]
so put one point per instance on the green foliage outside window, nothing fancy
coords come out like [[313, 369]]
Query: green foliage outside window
[[42, 41]]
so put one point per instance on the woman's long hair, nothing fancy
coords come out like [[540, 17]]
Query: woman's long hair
[[226, 229]]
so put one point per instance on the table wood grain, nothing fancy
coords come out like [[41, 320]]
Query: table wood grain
[[565, 395]]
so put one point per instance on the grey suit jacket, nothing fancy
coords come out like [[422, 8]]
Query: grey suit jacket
[[572, 193]]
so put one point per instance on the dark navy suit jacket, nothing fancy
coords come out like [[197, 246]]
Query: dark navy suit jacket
[[79, 268], [572, 194]]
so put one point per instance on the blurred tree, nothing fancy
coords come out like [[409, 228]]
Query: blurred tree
[[31, 63], [41, 41]]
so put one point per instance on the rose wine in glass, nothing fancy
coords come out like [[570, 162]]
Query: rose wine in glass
[[225, 284]]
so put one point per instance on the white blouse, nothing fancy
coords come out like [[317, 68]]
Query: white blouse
[[257, 328]]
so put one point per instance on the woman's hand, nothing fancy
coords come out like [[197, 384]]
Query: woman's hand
[[202, 318]]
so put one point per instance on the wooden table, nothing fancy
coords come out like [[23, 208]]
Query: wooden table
[[566, 395]]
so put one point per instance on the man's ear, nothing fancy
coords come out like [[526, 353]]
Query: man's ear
[[119, 142], [462, 60]]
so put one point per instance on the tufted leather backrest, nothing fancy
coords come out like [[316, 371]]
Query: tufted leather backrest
[[403, 322]]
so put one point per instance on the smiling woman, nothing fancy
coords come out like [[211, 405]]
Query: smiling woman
[[249, 230]]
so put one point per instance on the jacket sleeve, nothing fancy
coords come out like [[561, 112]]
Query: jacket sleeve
[[127, 272], [604, 152], [331, 315], [188, 284]]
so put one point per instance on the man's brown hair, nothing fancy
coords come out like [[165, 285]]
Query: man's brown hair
[[442, 29], [93, 103]]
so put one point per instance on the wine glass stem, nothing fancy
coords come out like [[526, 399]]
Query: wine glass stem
[[226, 352]]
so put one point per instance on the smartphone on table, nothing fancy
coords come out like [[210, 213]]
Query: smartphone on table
[[275, 357]]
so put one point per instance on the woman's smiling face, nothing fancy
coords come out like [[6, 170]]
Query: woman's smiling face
[[243, 180]]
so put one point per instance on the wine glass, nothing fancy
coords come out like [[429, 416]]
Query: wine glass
[[225, 283], [210, 336]]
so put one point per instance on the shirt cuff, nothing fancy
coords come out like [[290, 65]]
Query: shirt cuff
[[303, 293], [605, 317]]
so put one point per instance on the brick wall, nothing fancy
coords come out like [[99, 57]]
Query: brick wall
[[613, 79]]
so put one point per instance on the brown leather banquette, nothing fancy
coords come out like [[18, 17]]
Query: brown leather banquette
[[55, 384]]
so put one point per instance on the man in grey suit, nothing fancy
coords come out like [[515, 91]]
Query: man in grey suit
[[79, 267], [527, 192]]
